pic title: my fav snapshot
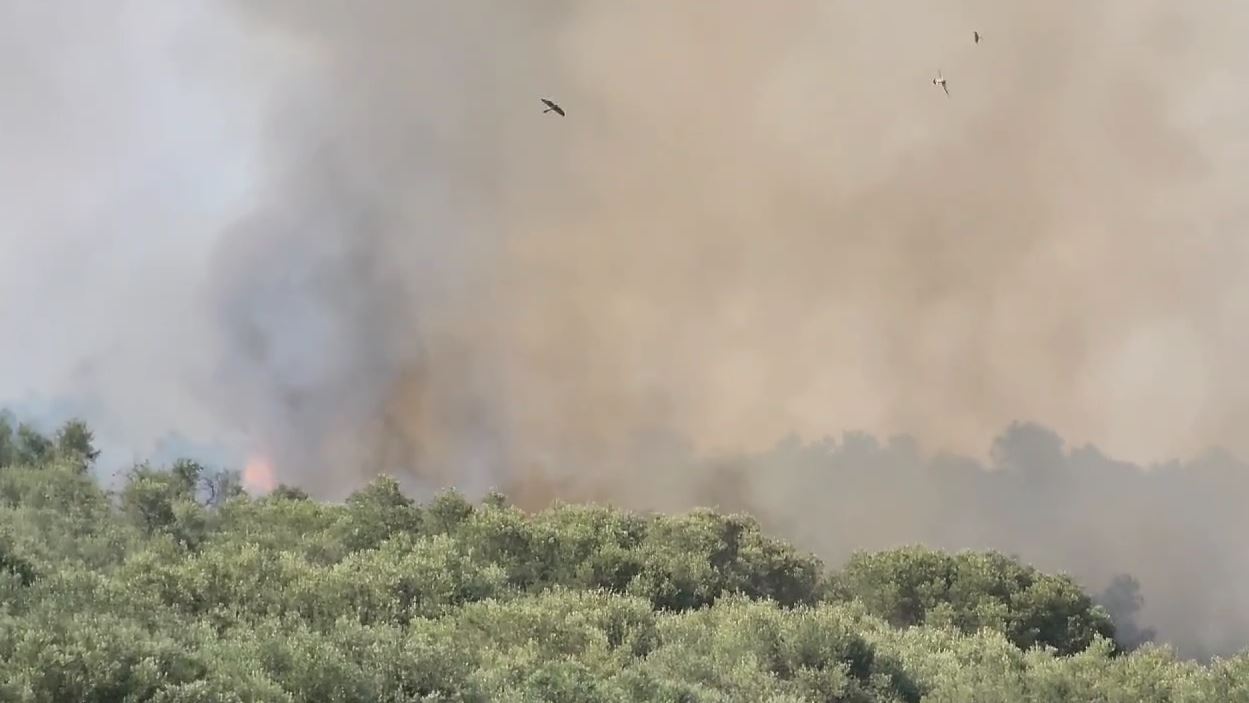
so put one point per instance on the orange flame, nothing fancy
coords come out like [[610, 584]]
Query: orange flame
[[258, 475]]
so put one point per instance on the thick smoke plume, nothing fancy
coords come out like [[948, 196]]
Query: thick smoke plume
[[344, 236], [752, 222]]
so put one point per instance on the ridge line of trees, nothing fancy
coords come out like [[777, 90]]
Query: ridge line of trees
[[181, 587]]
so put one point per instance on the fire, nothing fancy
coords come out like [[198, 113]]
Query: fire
[[258, 475]]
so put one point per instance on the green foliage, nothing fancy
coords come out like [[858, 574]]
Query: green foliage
[[30, 447], [22, 444], [55, 514], [378, 512], [689, 562], [8, 442], [14, 565], [446, 513], [75, 443], [183, 589], [150, 496], [970, 591]]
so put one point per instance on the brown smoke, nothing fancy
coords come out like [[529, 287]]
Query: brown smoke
[[755, 220]]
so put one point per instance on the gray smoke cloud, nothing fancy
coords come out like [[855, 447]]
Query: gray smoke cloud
[[345, 237]]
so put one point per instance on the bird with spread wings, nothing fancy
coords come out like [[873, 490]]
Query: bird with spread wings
[[552, 107]]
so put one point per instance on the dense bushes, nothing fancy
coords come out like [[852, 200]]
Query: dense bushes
[[972, 591], [180, 588]]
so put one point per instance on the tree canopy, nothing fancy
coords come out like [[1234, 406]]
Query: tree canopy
[[178, 586]]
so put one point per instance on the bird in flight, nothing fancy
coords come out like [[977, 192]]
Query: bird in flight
[[940, 80], [976, 36], [552, 107]]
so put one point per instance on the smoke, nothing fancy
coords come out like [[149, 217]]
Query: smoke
[[1174, 527], [751, 223], [346, 238], [124, 131]]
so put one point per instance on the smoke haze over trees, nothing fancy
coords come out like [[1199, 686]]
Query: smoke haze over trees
[[1175, 527], [164, 591], [344, 238]]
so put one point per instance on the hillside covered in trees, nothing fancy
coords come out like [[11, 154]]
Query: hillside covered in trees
[[180, 587]]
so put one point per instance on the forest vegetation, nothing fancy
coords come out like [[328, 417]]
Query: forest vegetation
[[179, 586]]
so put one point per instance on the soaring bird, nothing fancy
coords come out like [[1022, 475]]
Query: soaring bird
[[976, 36], [550, 106], [940, 80]]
